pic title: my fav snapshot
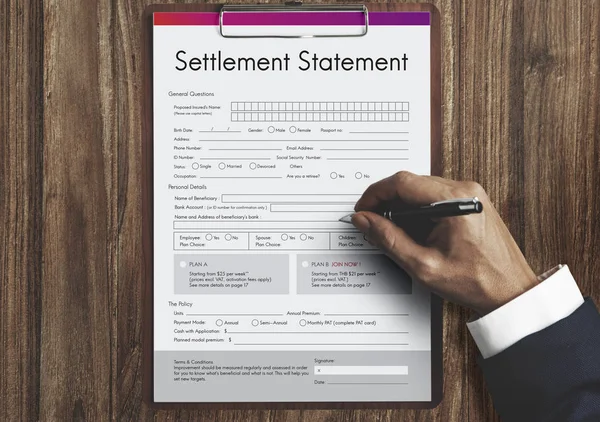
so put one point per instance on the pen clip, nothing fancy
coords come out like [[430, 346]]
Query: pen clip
[[473, 200]]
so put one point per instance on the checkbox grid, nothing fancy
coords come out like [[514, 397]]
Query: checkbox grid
[[320, 111]]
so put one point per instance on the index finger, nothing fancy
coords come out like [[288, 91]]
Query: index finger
[[406, 187]]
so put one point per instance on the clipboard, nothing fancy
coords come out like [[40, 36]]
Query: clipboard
[[226, 11]]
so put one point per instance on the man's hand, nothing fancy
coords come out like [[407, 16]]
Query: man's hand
[[471, 260]]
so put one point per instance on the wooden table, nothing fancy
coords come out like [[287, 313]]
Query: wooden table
[[521, 115]]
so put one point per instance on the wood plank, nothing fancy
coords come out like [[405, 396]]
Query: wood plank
[[488, 148], [126, 51], [562, 109], [453, 406], [21, 112], [79, 212]]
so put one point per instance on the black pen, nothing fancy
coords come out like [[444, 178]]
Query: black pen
[[448, 208]]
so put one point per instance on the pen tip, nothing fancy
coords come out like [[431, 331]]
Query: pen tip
[[347, 218]]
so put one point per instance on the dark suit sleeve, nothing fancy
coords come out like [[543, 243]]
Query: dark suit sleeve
[[552, 375]]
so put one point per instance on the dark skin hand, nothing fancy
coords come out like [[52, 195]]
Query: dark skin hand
[[472, 260]]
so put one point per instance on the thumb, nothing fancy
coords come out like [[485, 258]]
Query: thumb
[[392, 240]]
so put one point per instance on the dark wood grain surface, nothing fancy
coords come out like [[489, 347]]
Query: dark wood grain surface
[[520, 113]]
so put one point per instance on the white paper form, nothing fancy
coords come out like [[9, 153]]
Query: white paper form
[[260, 146]]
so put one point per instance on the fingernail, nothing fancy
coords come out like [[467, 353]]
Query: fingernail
[[361, 222]]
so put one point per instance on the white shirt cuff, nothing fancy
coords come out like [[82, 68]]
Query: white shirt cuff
[[545, 304]]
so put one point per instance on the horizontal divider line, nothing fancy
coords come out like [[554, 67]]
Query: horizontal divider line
[[261, 230], [290, 203], [240, 177], [232, 158], [294, 194], [245, 149], [272, 221], [323, 211], [366, 314], [317, 332], [364, 149], [367, 383], [367, 159], [234, 314], [321, 344], [303, 140]]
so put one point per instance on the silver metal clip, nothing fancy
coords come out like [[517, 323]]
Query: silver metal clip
[[292, 7]]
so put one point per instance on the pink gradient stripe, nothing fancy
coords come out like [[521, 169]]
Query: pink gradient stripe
[[292, 18]]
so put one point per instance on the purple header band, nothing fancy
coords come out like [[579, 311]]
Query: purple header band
[[292, 18]]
